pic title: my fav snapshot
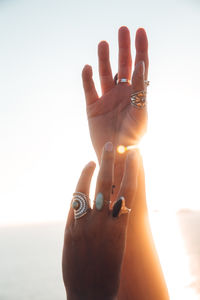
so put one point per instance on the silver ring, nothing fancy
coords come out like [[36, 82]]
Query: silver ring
[[123, 80], [138, 99], [80, 204], [147, 82]]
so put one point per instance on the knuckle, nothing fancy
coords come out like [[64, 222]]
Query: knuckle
[[104, 181], [130, 187]]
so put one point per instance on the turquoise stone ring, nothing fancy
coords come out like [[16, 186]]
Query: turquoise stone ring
[[99, 201]]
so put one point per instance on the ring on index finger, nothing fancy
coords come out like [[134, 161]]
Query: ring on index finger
[[100, 201], [80, 204]]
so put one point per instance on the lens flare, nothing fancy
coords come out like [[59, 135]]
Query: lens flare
[[122, 149]]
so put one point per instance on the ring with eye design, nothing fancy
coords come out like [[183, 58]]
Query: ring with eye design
[[80, 204]]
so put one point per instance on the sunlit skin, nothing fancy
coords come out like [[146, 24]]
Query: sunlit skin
[[111, 117], [91, 267]]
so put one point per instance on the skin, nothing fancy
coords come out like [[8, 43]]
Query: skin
[[112, 118], [91, 266]]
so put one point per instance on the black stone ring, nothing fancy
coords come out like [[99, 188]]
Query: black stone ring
[[119, 208]]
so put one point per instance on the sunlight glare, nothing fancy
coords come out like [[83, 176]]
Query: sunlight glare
[[122, 149]]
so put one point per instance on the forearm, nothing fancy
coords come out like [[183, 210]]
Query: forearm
[[90, 296], [141, 276]]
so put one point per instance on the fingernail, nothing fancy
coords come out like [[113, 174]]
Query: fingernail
[[109, 147], [91, 164], [116, 208], [99, 201]]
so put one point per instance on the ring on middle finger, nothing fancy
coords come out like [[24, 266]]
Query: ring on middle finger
[[99, 201], [123, 80]]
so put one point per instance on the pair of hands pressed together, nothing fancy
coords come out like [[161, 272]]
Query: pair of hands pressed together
[[101, 256]]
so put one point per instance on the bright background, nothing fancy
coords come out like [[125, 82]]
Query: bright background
[[44, 137], [44, 140]]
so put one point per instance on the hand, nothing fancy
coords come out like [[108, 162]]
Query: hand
[[94, 244], [111, 117]]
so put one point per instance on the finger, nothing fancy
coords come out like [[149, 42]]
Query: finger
[[129, 181], [141, 45], [105, 72], [138, 85], [88, 84], [125, 60], [83, 186], [104, 180], [138, 77]]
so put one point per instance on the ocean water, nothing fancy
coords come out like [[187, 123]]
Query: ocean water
[[30, 262], [190, 230], [30, 258]]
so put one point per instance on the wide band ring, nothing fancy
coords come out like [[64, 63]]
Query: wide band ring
[[138, 99], [80, 204], [123, 80]]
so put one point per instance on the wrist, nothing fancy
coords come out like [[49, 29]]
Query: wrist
[[88, 296]]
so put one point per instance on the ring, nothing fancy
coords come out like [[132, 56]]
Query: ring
[[138, 99], [100, 202], [120, 208], [146, 82], [80, 204], [123, 80], [116, 79]]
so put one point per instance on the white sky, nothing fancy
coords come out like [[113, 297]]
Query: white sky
[[44, 140]]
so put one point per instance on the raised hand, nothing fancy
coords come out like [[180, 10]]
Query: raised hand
[[112, 117], [94, 243]]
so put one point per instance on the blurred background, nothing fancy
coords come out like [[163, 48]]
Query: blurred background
[[44, 137]]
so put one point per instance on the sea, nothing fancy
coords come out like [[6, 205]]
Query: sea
[[30, 257]]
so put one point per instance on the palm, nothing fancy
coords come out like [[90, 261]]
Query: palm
[[112, 117]]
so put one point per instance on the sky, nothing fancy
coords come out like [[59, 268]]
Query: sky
[[44, 137]]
